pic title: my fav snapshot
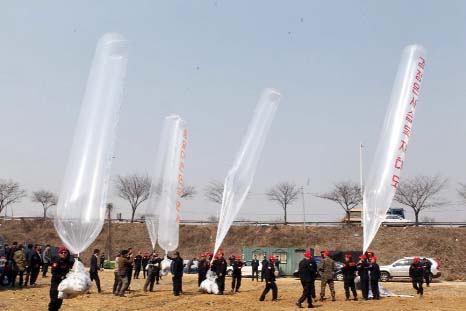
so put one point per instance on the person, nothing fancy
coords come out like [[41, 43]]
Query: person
[[363, 272], [427, 270], [94, 269], [219, 266], [19, 266], [416, 273], [115, 273], [264, 263], [123, 266], [375, 277], [152, 272], [307, 273], [349, 274], [28, 255], [231, 260], [327, 269], [130, 267], [237, 275], [9, 264], [144, 262], [277, 265], [46, 259], [177, 272], [35, 263], [255, 269], [60, 268], [202, 267], [137, 265], [270, 284], [102, 260]]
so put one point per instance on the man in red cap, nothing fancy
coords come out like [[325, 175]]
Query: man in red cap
[[363, 272], [219, 266], [349, 273], [327, 270], [237, 275], [375, 277], [202, 267], [269, 274], [60, 268], [307, 273], [416, 273]]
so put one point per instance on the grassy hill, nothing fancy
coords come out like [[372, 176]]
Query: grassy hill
[[446, 244]]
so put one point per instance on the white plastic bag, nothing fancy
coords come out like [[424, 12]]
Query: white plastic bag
[[80, 211], [241, 175], [77, 282], [166, 263], [209, 285], [385, 172]]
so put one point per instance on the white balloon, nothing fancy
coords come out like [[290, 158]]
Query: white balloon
[[81, 206], [386, 167], [241, 175], [167, 185]]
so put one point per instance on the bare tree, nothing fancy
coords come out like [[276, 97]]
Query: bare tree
[[188, 192], [347, 194], [133, 188], [421, 193], [214, 192], [462, 192], [285, 194], [10, 192], [46, 198]]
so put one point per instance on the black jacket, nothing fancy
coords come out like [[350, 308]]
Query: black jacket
[[255, 264], [375, 272], [60, 268], [363, 269], [36, 260], [219, 266], [137, 262], [94, 265], [349, 270], [237, 266], [203, 266], [269, 272], [416, 271], [307, 270], [177, 268], [427, 266]]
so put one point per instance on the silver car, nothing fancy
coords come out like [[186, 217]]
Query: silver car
[[400, 269]]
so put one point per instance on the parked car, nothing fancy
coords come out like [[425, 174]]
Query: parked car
[[395, 221], [400, 269], [246, 270]]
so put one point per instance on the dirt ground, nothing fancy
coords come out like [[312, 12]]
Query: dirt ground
[[440, 296]]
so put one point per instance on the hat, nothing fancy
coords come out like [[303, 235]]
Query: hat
[[220, 252], [203, 255], [307, 254], [363, 257], [237, 257], [326, 253], [215, 257], [416, 259], [271, 257], [62, 249], [373, 257], [349, 255]]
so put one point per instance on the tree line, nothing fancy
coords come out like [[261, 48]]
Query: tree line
[[419, 193]]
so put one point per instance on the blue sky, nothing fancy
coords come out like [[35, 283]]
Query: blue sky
[[333, 61]]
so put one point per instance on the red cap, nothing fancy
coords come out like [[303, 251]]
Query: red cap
[[210, 253], [326, 253], [363, 257], [348, 255], [373, 257], [307, 254], [416, 259], [62, 249], [203, 255], [237, 257], [272, 257], [220, 252]]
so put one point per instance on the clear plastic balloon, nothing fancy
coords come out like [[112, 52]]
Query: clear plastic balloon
[[241, 175], [81, 206], [386, 167], [167, 184]]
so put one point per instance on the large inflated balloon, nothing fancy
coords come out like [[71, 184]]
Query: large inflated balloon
[[241, 175], [167, 185], [81, 206], [385, 172]]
